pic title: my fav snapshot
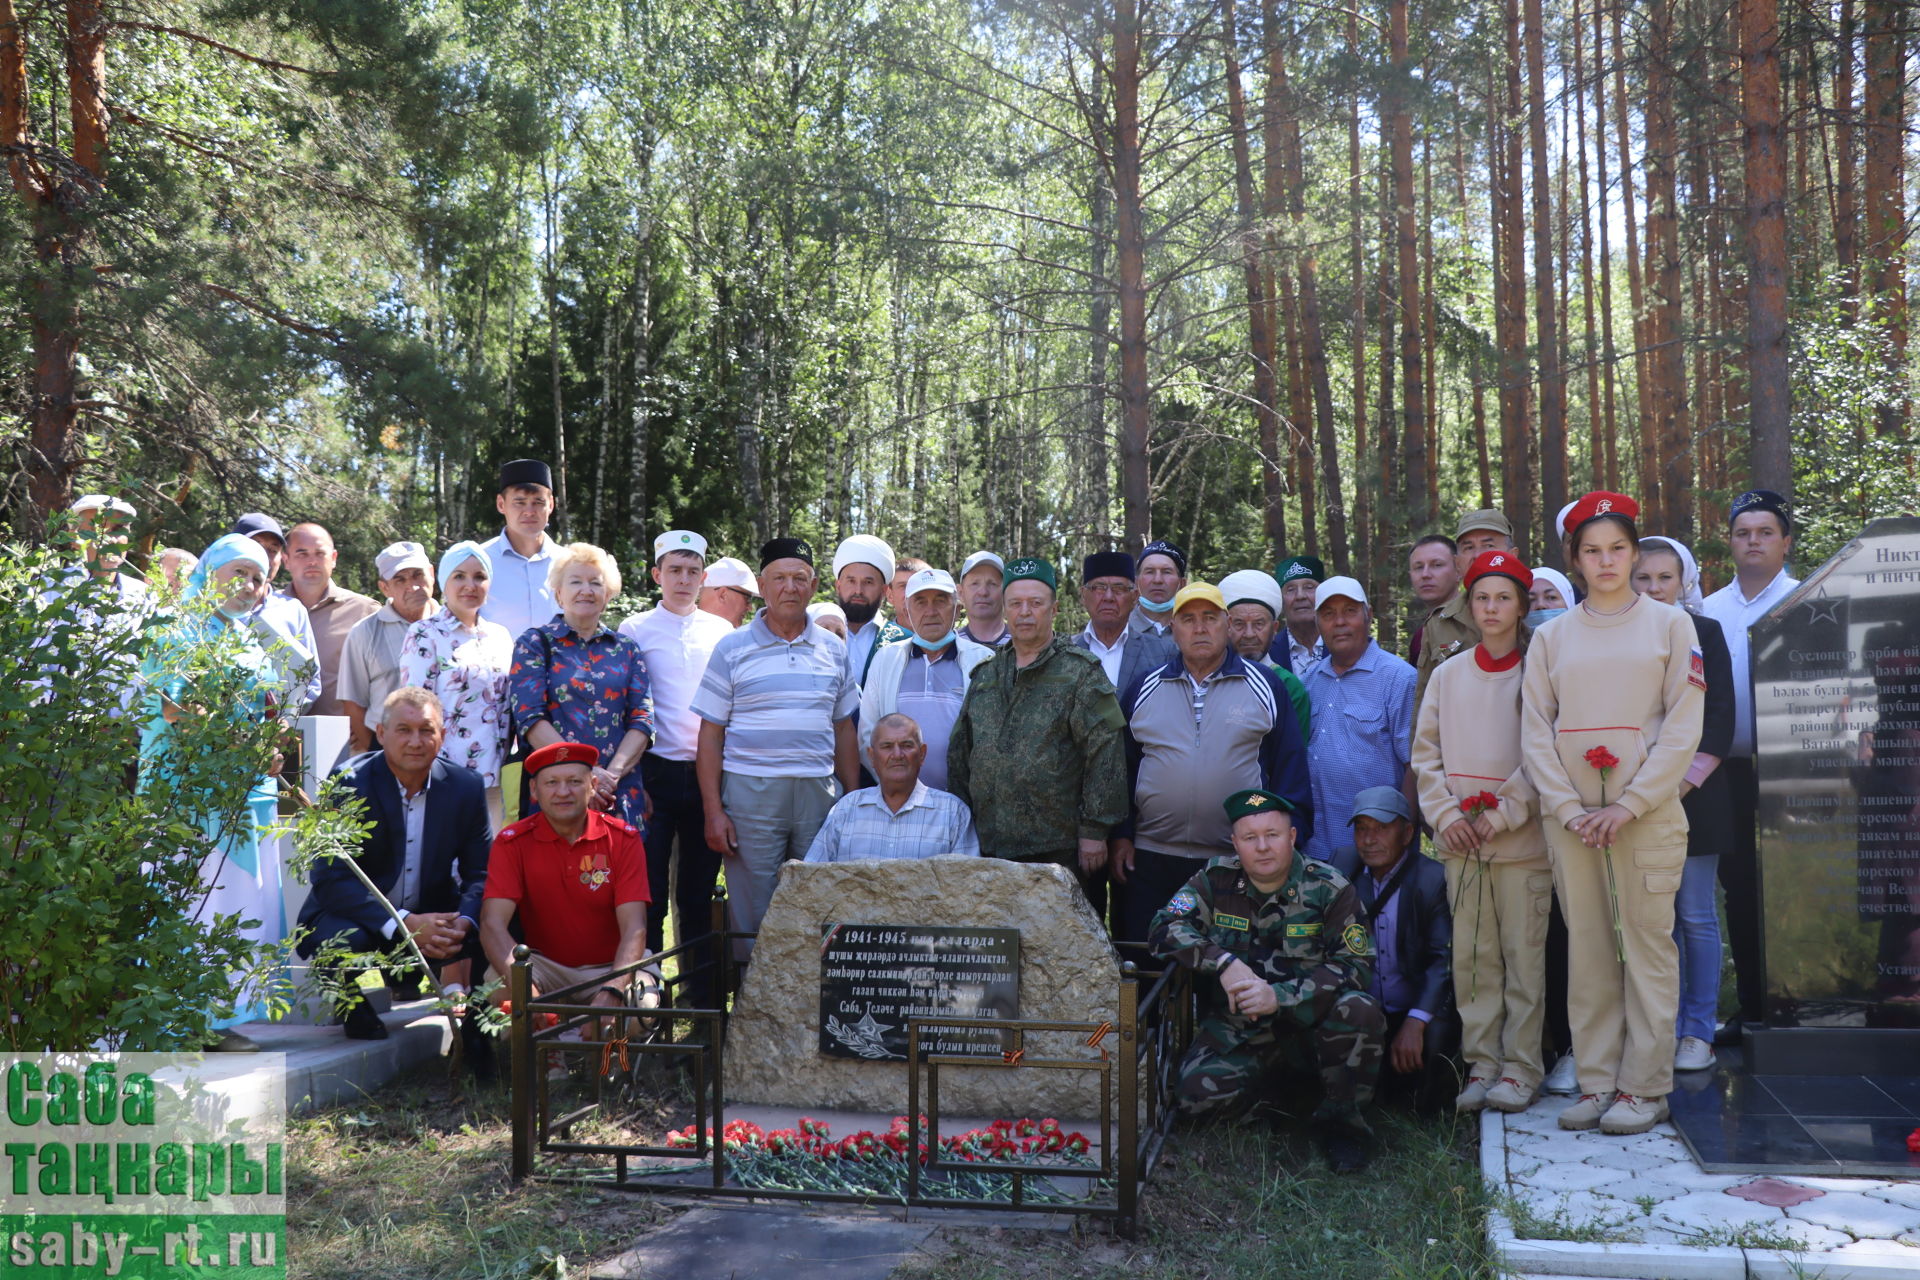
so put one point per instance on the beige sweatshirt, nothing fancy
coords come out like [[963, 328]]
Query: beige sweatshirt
[[1467, 741], [1633, 683]]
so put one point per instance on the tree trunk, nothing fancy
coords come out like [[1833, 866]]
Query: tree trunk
[[1299, 409], [1846, 213], [1597, 424], [1413, 432], [1260, 337], [1516, 487], [1130, 244], [1363, 533], [1667, 365], [1609, 422], [1099, 341], [1649, 472], [1316, 356], [1766, 235], [1884, 239], [549, 185], [1553, 382], [640, 416]]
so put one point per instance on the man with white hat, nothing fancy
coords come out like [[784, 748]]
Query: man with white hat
[[676, 639], [1254, 605], [862, 570], [984, 597], [1362, 712], [923, 676], [729, 590], [370, 658]]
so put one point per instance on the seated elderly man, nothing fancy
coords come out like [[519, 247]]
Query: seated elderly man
[[902, 817], [1282, 961], [426, 852], [577, 880], [1403, 898]]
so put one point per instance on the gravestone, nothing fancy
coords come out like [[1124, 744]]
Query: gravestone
[[1836, 696], [968, 936]]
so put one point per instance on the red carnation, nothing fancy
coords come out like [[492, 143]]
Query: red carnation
[[1603, 760], [1913, 1142], [1475, 805]]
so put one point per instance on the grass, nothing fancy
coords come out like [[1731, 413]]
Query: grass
[[412, 1185]]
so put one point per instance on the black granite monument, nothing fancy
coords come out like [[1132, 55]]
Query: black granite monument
[[874, 977], [1836, 696]]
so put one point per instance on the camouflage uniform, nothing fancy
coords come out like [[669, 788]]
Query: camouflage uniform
[[1037, 754], [1309, 938], [1448, 630]]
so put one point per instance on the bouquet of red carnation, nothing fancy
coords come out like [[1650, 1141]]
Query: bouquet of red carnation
[[1913, 1142], [1475, 805]]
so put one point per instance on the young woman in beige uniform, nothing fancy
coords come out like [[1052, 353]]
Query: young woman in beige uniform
[[1611, 709], [1475, 795]]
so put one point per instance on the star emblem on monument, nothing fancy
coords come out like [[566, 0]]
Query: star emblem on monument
[[1822, 608]]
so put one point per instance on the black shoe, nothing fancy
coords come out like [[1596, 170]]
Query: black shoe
[[476, 1047], [1729, 1034], [363, 1023], [1347, 1149]]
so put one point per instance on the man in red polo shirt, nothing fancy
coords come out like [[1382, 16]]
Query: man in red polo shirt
[[578, 880]]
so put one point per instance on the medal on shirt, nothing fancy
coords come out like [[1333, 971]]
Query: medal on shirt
[[594, 871]]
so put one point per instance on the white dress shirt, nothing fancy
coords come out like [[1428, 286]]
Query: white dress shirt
[[1110, 655], [1730, 608], [676, 647]]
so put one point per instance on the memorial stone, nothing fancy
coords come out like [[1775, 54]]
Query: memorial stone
[[991, 919], [1836, 696]]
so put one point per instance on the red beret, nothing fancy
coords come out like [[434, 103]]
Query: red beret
[[1501, 564], [1600, 503], [562, 753]]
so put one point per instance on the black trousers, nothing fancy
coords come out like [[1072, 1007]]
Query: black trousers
[[1557, 1025], [1740, 881], [1439, 1079], [1155, 878], [676, 832]]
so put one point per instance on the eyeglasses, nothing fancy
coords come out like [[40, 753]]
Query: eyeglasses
[[1108, 588]]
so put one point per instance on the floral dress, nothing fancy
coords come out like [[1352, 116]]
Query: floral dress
[[466, 668], [591, 691]]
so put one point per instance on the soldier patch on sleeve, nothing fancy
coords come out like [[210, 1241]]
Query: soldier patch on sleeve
[[1183, 901], [1696, 670], [1226, 921], [1355, 936]]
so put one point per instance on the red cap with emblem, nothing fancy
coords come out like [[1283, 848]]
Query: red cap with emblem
[[1502, 564], [562, 753], [1596, 504]]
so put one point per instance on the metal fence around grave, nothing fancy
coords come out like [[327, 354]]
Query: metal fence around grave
[[1136, 1079]]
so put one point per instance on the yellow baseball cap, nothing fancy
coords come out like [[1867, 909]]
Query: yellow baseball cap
[[1199, 591]]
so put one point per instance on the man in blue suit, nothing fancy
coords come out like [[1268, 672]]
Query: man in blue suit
[[426, 852]]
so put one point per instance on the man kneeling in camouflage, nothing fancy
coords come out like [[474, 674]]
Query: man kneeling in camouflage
[[1285, 938]]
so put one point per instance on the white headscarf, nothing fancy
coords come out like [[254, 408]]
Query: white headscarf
[[1559, 582], [1690, 598]]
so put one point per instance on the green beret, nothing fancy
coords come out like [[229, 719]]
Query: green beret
[[1030, 568], [1300, 567], [1242, 804]]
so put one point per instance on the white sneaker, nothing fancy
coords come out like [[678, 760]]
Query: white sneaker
[[1564, 1078], [1694, 1054]]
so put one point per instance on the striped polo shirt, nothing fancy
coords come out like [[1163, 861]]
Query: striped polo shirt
[[777, 699]]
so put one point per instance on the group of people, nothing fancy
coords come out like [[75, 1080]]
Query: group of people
[[1237, 774]]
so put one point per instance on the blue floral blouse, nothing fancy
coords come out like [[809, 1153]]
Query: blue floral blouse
[[591, 691]]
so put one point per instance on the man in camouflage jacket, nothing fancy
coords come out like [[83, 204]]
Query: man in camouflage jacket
[[1037, 751], [1280, 951]]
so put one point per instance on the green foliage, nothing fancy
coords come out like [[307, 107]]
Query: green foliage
[[109, 940]]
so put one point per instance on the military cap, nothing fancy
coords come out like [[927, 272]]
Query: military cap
[[525, 471], [1245, 804]]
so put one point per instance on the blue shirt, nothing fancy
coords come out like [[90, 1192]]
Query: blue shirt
[[860, 828], [297, 656], [1362, 737], [519, 596]]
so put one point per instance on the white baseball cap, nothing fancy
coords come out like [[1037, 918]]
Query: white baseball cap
[[864, 548], [1337, 586], [679, 540], [929, 580], [97, 501], [1254, 585], [729, 572], [403, 555], [979, 558]]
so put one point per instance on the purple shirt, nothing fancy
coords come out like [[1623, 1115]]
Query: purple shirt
[[1392, 986]]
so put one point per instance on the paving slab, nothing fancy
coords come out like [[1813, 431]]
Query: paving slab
[[751, 1242], [325, 1069], [1860, 1216]]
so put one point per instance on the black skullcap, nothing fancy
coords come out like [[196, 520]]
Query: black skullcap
[[1161, 547], [1106, 564], [525, 471], [785, 549], [1761, 500]]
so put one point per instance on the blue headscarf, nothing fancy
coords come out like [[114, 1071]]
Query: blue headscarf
[[227, 548], [458, 554]]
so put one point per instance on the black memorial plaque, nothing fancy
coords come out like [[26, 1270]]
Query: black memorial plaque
[[873, 977], [1836, 695]]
